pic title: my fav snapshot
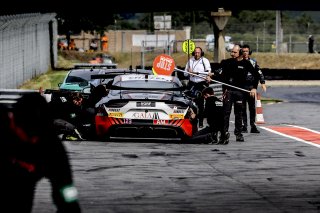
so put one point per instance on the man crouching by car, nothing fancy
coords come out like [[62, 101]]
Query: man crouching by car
[[213, 111], [71, 116]]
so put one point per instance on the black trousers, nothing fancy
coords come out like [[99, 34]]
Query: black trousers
[[196, 89], [201, 136], [63, 127], [251, 103], [233, 98]]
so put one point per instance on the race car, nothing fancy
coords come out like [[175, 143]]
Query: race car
[[145, 107], [79, 77]]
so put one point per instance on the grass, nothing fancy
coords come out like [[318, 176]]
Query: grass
[[265, 60], [48, 80]]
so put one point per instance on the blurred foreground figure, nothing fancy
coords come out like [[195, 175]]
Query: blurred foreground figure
[[30, 151]]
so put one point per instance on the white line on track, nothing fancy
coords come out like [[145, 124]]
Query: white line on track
[[294, 138]]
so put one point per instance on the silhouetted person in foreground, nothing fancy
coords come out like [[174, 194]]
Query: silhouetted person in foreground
[[30, 150]]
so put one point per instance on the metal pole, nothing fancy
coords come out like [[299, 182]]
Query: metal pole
[[279, 38], [257, 44], [264, 36], [199, 75], [142, 55]]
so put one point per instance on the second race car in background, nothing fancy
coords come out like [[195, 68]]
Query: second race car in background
[[79, 77]]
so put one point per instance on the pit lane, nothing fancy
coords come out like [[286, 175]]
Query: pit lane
[[266, 173]]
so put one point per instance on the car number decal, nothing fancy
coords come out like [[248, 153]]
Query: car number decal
[[127, 121]]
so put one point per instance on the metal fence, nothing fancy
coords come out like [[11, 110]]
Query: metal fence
[[28, 47]]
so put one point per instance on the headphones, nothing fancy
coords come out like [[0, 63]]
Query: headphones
[[202, 53], [240, 51]]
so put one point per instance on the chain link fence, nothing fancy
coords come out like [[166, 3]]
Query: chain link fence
[[261, 36], [28, 47]]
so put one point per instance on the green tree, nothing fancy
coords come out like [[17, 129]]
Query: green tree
[[304, 22], [75, 22]]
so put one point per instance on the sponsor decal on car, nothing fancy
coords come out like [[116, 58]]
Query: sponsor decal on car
[[178, 111], [115, 114], [145, 115], [150, 77], [176, 116], [160, 122], [113, 109]]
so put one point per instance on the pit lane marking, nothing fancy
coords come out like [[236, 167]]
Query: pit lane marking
[[298, 133]]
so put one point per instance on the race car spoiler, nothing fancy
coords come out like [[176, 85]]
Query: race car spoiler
[[153, 89], [112, 74], [86, 65]]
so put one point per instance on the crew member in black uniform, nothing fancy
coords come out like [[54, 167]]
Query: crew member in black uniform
[[233, 72], [253, 80], [213, 111], [71, 116]]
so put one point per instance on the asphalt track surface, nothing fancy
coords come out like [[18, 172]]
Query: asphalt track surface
[[269, 172]]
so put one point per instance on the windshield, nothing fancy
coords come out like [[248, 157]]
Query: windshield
[[107, 61], [80, 76]]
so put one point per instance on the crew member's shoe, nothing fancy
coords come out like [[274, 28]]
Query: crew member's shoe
[[239, 138], [244, 129], [213, 139], [254, 130], [79, 135], [224, 139], [71, 138]]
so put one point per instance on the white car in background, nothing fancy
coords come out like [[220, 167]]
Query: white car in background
[[210, 42]]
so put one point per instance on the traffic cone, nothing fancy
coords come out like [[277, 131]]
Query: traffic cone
[[259, 111]]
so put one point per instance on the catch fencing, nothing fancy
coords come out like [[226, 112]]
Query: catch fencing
[[28, 47]]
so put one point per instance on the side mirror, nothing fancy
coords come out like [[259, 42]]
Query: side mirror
[[86, 90]]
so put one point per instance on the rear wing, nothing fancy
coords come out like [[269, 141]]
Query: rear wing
[[113, 87], [112, 74], [88, 65]]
